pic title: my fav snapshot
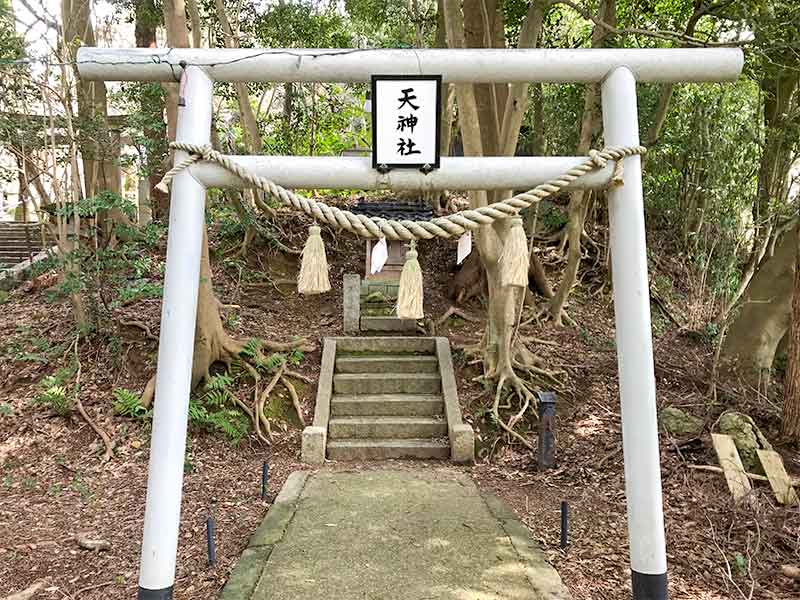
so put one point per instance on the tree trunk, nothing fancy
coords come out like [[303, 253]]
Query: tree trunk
[[211, 342], [177, 37], [480, 122], [780, 117], [790, 426], [147, 19], [579, 201], [437, 199], [754, 335]]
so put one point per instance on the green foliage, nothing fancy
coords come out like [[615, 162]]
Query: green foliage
[[77, 485], [139, 289], [55, 397], [128, 404], [391, 24], [92, 206], [56, 393], [251, 348], [215, 410], [6, 410], [144, 105], [553, 217], [740, 565], [296, 357]]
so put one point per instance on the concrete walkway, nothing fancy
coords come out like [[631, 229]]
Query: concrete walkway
[[379, 535]]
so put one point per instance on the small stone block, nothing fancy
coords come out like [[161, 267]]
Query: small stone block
[[388, 324], [351, 303], [313, 445], [462, 444]]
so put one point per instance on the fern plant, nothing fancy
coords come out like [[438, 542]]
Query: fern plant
[[55, 397], [127, 404], [251, 349], [56, 393], [213, 410]]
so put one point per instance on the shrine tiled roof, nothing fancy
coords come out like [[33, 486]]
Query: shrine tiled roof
[[411, 211]]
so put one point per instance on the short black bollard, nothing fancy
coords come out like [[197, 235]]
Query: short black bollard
[[264, 480], [212, 549], [564, 524], [547, 425]]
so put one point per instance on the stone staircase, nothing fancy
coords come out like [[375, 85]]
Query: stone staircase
[[19, 242], [387, 397]]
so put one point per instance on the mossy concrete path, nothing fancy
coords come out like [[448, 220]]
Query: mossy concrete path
[[380, 535]]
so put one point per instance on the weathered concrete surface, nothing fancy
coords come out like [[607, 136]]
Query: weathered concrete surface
[[387, 405], [313, 445], [315, 436], [405, 535], [387, 427], [462, 437], [242, 582], [386, 383], [383, 449], [351, 303], [388, 324], [387, 363]]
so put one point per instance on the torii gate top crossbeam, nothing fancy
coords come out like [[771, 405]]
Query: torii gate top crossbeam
[[454, 65]]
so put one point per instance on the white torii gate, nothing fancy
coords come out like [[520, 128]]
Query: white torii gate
[[618, 70]]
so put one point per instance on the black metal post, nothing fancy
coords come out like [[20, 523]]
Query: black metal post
[[264, 479], [547, 424], [212, 550], [564, 524]]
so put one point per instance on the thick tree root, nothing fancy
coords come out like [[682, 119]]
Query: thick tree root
[[217, 346], [515, 384]]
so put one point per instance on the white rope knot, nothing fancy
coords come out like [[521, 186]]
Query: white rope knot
[[597, 159], [449, 226]]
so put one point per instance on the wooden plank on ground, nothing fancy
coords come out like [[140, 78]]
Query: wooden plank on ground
[[731, 464], [778, 478]]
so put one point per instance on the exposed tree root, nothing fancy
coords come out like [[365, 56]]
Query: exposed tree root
[[82, 411], [527, 397], [515, 382], [295, 400], [27, 593], [453, 311]]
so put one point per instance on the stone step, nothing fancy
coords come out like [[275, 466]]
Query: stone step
[[386, 427], [387, 405], [386, 383], [387, 345], [375, 449], [388, 324], [388, 363], [14, 259]]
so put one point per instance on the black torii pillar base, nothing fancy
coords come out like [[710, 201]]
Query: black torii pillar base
[[163, 594], [649, 587]]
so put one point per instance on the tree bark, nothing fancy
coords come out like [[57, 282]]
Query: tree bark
[[480, 125], [579, 201], [790, 425], [754, 335], [781, 114], [99, 149], [177, 37], [147, 19]]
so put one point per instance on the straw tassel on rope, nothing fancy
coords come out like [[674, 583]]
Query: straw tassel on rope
[[313, 276], [514, 259], [409, 296]]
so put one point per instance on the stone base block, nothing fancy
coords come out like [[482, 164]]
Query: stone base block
[[462, 444], [313, 445]]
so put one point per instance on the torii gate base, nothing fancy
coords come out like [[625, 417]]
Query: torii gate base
[[618, 70]]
